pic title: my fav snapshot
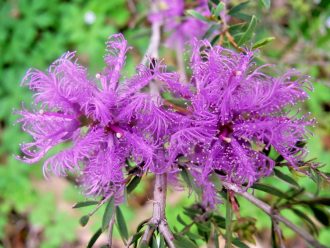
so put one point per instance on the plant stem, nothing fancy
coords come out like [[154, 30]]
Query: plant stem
[[275, 216], [153, 47], [158, 219]]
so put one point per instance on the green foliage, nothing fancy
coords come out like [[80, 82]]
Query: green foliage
[[34, 33]]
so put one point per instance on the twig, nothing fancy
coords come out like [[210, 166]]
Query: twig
[[278, 231], [99, 205], [225, 31], [153, 47], [158, 219], [276, 216], [180, 62]]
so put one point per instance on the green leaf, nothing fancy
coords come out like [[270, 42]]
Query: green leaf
[[216, 239], [121, 224], [266, 3], [183, 242], [133, 184], [237, 242], [263, 42], [162, 242], [94, 238], [285, 178], [193, 236], [274, 236], [180, 220], [143, 244], [140, 226], [85, 204], [84, 220], [197, 15], [218, 9], [322, 201], [321, 215], [136, 237], [236, 9], [190, 181], [249, 31], [270, 190], [153, 241], [220, 221], [229, 217], [306, 219], [108, 213], [210, 32]]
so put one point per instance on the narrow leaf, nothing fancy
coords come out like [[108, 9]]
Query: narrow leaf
[[84, 204], [322, 201], [210, 31], [285, 178], [265, 3], [220, 221], [162, 242], [135, 238], [197, 15], [239, 243], [133, 184], [236, 9], [180, 220], [144, 244], [94, 238], [181, 241], [229, 217], [218, 9], [321, 216], [270, 190], [108, 213], [121, 224], [153, 241], [306, 219], [140, 226], [216, 239], [84, 220], [263, 42], [249, 31]]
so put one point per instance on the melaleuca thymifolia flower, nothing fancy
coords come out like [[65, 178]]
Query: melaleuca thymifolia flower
[[237, 111], [106, 121], [182, 28]]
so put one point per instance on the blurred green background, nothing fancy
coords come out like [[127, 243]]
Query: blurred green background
[[35, 212]]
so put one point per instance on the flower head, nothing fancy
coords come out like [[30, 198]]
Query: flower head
[[107, 122], [182, 28], [237, 112]]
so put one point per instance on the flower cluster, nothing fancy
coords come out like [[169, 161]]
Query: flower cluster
[[234, 112], [106, 121], [182, 28], [237, 113]]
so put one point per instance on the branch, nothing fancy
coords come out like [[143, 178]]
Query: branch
[[158, 219], [153, 47], [181, 64], [276, 216]]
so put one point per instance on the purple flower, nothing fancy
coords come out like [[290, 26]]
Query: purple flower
[[182, 28], [237, 111], [107, 122]]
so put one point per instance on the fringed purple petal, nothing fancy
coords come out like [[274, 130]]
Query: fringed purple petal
[[83, 149], [103, 176], [47, 130], [64, 86], [115, 59]]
